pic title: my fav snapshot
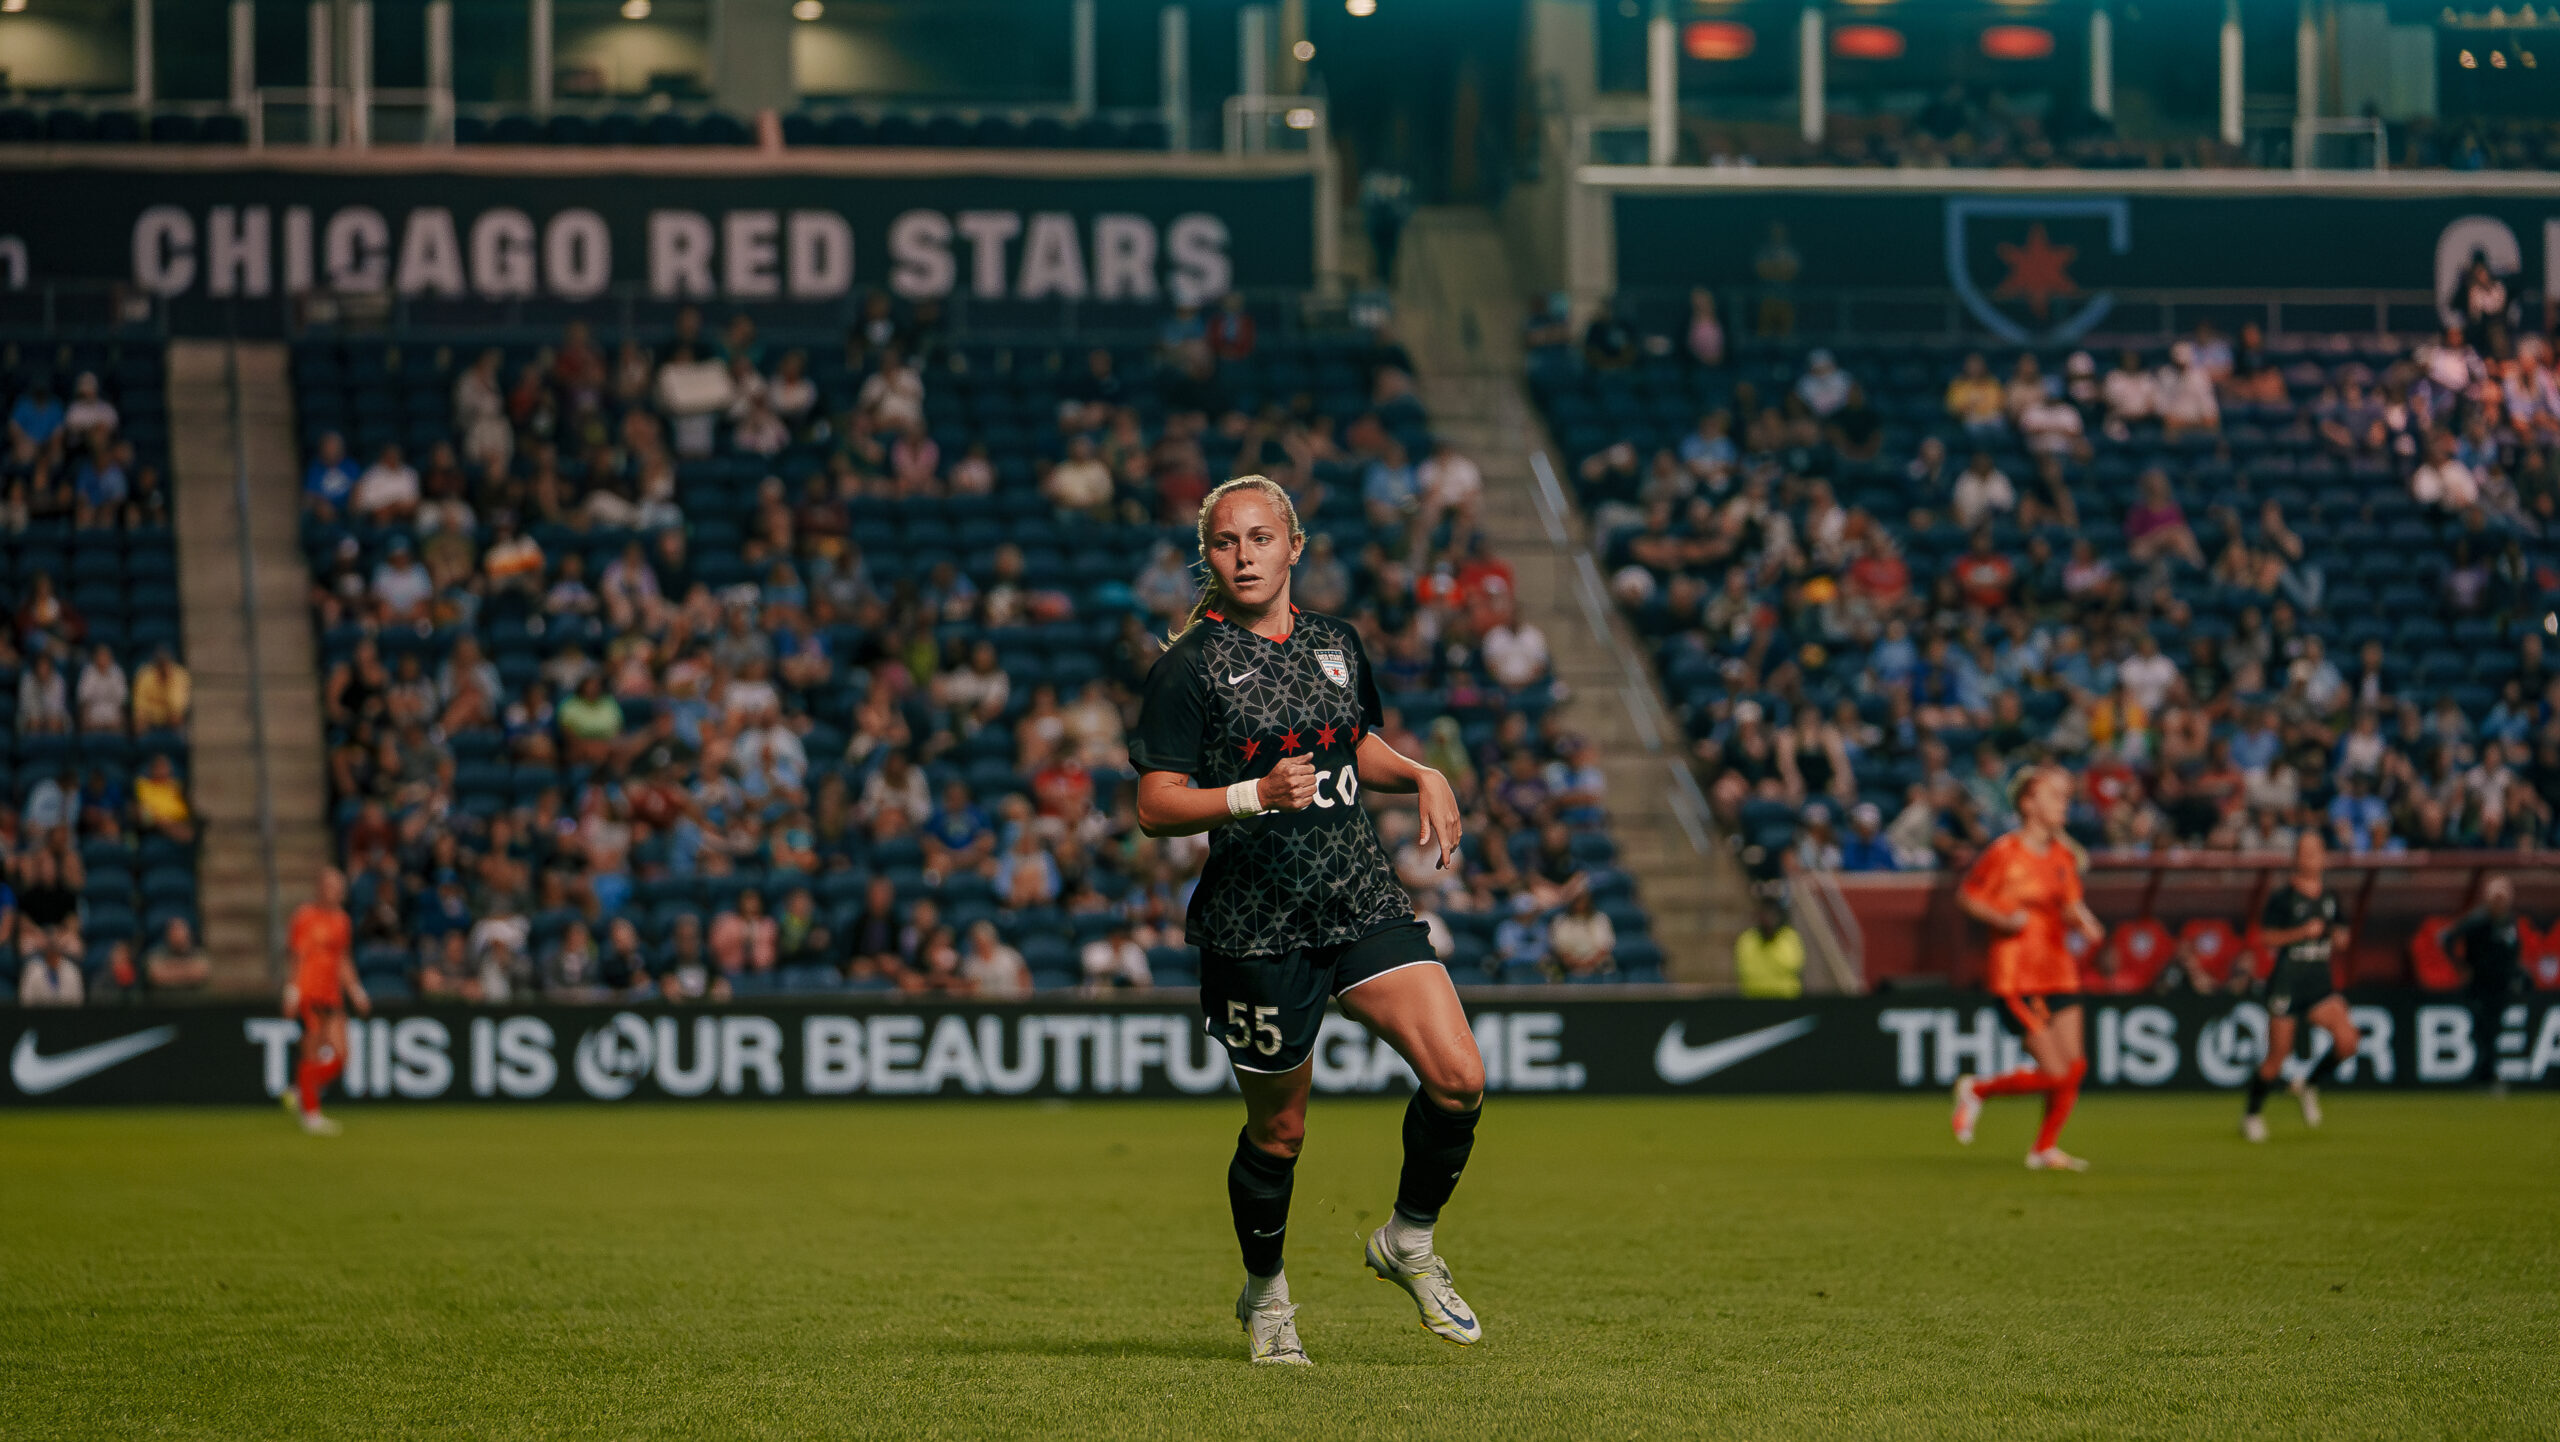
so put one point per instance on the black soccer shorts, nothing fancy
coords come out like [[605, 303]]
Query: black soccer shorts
[[2297, 986], [1268, 1010]]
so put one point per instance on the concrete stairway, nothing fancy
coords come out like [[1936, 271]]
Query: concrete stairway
[[1460, 314], [233, 881]]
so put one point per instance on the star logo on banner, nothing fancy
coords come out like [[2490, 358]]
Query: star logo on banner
[[2038, 271], [1324, 735], [1288, 742]]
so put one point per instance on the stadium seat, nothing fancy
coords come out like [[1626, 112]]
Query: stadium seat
[[2434, 970]]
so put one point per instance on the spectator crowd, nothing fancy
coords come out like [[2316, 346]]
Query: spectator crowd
[[703, 665]]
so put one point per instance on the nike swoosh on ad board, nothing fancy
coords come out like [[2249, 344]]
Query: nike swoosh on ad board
[[37, 1075], [1679, 1063]]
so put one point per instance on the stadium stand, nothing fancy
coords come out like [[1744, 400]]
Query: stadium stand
[[2243, 586], [756, 665], [97, 835]]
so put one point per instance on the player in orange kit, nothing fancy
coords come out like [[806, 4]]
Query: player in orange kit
[[2026, 888], [324, 981]]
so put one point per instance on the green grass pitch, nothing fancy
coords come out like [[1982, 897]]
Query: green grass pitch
[[1778, 1268]]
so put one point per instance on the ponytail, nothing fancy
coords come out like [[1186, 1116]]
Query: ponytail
[[1280, 502]]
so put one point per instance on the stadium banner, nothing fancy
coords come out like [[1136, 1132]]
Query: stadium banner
[[2045, 265], [890, 1050], [750, 237]]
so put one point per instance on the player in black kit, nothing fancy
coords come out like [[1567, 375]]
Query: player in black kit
[[1259, 726], [2301, 926]]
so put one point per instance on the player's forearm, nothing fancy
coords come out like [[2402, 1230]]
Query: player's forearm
[[1981, 910], [1167, 807], [1388, 771]]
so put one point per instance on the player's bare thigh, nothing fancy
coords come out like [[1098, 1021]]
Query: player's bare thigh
[[1417, 1011], [2056, 1044], [2279, 1043], [2331, 1016]]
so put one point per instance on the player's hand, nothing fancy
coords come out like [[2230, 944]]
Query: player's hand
[[364, 1004], [292, 1000], [2015, 921], [1291, 785], [1440, 821]]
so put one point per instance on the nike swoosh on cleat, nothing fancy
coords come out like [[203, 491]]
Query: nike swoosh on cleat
[[36, 1075], [1275, 1231], [1680, 1063], [1241, 677]]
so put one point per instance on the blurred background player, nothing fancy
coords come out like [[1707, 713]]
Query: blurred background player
[[2300, 926], [324, 982], [2491, 951], [2026, 888], [1275, 714]]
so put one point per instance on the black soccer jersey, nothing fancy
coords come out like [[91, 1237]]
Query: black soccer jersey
[[1224, 704], [2289, 908]]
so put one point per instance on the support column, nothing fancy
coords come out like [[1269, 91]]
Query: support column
[[1809, 78], [322, 83], [244, 57], [537, 56], [2102, 63], [439, 72], [1173, 42], [2232, 134], [359, 66], [144, 90], [1293, 28], [1083, 61], [1253, 73], [2306, 63], [1662, 86]]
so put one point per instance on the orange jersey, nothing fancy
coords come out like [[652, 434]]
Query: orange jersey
[[2012, 877], [319, 938]]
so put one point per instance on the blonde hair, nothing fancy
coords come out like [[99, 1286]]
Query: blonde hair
[[1280, 502]]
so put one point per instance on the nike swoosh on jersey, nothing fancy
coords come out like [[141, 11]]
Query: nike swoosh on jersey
[[36, 1075], [1680, 1063], [1241, 677]]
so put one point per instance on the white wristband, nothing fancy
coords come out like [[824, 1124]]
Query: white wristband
[[1245, 799]]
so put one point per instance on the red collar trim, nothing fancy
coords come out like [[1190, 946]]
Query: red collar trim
[[1280, 639]]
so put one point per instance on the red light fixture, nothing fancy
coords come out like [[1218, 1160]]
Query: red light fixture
[[1717, 40], [2017, 42], [1867, 42]]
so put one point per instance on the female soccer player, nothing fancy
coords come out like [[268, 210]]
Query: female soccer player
[[2026, 887], [1272, 712], [2300, 924], [324, 981]]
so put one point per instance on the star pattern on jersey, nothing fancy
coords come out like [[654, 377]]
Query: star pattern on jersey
[[1315, 877]]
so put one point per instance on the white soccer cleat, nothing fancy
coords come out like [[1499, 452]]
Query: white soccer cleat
[[1444, 1313], [1968, 1110], [2253, 1127], [2309, 1096], [1272, 1334], [2055, 1159], [314, 1124]]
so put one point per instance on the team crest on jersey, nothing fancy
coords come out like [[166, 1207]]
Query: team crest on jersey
[[1336, 668]]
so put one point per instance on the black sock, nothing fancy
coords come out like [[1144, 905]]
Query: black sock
[[2259, 1085], [2323, 1069], [1436, 1143], [1258, 1194]]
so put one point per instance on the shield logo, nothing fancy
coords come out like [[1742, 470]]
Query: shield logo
[[2013, 262], [1336, 668]]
